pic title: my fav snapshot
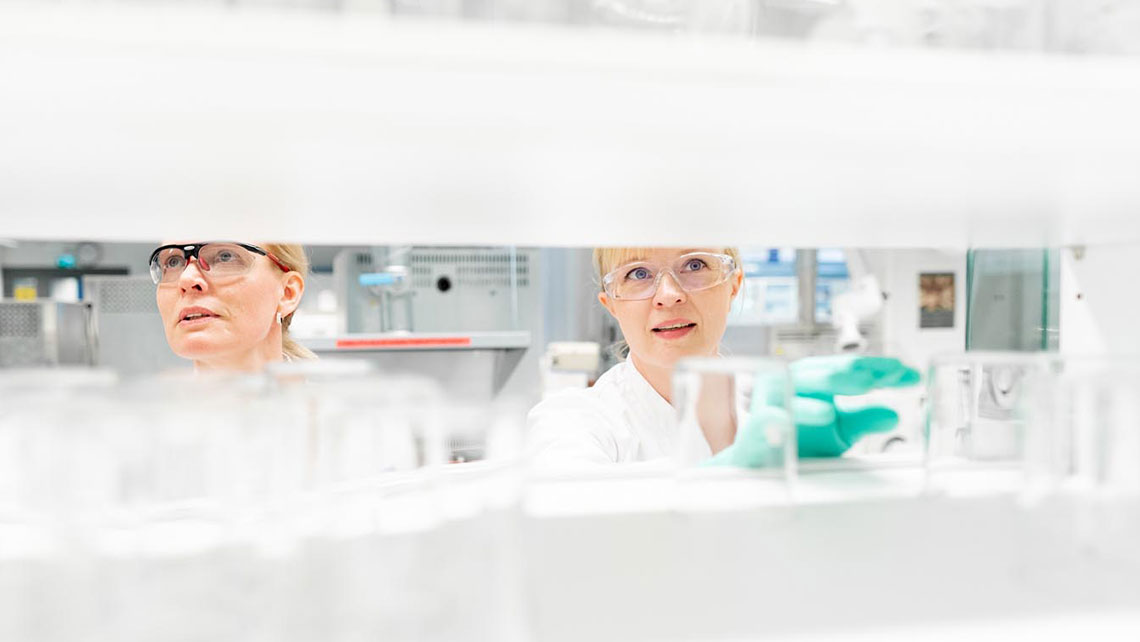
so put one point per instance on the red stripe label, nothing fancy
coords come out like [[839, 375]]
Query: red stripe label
[[402, 342]]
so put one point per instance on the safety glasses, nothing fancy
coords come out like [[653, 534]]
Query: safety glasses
[[693, 272], [218, 259]]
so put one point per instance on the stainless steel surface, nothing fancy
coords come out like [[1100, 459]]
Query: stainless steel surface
[[473, 365], [464, 289], [807, 270], [419, 341], [467, 308], [129, 331], [45, 333]]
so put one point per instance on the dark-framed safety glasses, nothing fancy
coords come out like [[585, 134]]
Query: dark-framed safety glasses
[[216, 258]]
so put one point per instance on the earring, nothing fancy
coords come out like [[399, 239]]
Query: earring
[[278, 318]]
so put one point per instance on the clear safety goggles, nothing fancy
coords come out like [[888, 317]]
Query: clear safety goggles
[[692, 272], [215, 258]]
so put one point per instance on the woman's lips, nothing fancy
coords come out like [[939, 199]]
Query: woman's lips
[[195, 315], [196, 321], [674, 330]]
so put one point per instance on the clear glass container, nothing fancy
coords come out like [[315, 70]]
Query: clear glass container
[[310, 503], [734, 411], [979, 432], [1083, 456], [1086, 412]]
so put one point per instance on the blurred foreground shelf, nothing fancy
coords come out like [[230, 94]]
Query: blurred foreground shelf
[[137, 123]]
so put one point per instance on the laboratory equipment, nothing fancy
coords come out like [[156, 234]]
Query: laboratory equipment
[[569, 364], [977, 418], [452, 313], [446, 289], [858, 304], [374, 289], [45, 332], [129, 334], [473, 365]]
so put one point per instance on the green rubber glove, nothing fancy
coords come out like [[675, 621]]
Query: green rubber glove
[[822, 429]]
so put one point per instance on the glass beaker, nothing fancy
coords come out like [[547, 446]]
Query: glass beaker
[[734, 411], [978, 430]]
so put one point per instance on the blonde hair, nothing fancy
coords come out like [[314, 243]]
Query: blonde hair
[[293, 256], [607, 258]]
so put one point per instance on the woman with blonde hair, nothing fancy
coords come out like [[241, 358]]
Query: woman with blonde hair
[[228, 305], [671, 304]]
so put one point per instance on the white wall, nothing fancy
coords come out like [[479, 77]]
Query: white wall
[[898, 272], [900, 335], [1099, 302]]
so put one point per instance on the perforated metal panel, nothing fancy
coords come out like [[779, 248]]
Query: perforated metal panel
[[130, 335], [451, 289], [19, 320], [44, 333], [469, 267], [471, 288], [122, 295], [21, 339]]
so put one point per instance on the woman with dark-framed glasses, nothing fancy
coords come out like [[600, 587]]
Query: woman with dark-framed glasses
[[228, 305]]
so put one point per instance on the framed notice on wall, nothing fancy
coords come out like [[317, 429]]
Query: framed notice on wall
[[936, 300]]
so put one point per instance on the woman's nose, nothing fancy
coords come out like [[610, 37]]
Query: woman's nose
[[669, 291], [192, 277]]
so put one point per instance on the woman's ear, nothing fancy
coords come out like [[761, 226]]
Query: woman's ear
[[291, 293], [607, 303], [737, 282]]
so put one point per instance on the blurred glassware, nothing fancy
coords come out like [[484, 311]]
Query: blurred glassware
[[795, 19], [1086, 414], [976, 419], [288, 506], [1071, 26], [1062, 424], [1094, 26], [1084, 454], [718, 400]]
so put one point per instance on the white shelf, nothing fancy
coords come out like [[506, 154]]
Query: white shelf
[[124, 123]]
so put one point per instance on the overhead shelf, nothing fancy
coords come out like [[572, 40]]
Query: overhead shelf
[[136, 123]]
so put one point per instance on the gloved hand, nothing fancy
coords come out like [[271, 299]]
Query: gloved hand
[[822, 429]]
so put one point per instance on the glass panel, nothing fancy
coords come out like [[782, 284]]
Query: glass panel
[[1012, 300]]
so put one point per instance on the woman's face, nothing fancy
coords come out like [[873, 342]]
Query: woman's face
[[673, 323], [209, 317]]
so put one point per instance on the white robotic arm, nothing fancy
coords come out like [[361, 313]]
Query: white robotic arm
[[859, 304]]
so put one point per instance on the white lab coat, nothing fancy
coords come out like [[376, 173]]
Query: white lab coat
[[621, 419]]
